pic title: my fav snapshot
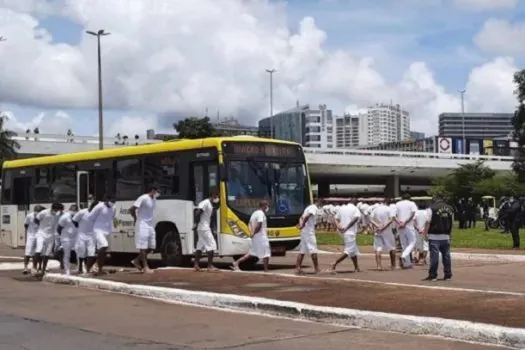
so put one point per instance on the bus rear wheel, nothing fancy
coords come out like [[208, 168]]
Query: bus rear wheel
[[248, 265], [171, 251]]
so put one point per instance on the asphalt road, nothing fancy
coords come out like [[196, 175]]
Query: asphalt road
[[40, 316]]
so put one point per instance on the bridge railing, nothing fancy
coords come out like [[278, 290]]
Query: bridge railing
[[80, 139], [400, 154]]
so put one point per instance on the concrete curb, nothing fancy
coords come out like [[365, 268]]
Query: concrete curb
[[414, 325], [10, 266]]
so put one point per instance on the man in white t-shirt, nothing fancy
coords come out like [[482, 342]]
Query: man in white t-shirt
[[31, 229], [143, 211], [206, 241], [381, 223], [260, 247], [47, 221], [67, 232], [102, 216], [308, 245], [85, 246], [405, 214], [421, 221], [347, 220]]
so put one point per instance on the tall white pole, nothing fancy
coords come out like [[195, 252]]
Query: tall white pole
[[462, 93], [271, 71]]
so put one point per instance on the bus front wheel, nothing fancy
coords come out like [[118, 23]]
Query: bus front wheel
[[171, 251], [247, 265]]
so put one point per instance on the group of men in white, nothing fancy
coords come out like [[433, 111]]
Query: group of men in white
[[402, 221], [85, 231]]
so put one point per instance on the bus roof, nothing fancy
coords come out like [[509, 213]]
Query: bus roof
[[126, 151]]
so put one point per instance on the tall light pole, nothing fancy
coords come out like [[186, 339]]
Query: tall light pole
[[271, 71], [99, 34], [462, 93]]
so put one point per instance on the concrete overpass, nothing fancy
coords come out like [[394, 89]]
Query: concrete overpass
[[326, 166]]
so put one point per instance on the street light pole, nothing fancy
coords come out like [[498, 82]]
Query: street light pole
[[271, 71], [99, 34], [462, 93]]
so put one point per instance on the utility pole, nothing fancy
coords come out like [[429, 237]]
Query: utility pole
[[99, 34], [271, 71]]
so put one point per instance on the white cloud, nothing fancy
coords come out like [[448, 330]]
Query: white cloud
[[48, 123], [179, 57], [130, 126], [501, 37], [486, 5]]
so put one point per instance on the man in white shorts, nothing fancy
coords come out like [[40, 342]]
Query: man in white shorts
[[67, 232], [260, 247], [405, 213], [381, 222], [143, 211], [347, 220], [205, 239], [102, 217], [85, 246], [308, 245], [47, 221], [31, 229], [421, 220]]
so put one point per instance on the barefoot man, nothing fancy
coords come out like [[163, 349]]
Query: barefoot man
[[308, 243], [206, 242], [347, 219], [143, 211], [381, 222], [260, 243]]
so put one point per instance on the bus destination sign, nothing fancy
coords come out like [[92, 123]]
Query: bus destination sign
[[262, 150]]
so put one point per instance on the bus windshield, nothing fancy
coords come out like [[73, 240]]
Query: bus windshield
[[284, 184]]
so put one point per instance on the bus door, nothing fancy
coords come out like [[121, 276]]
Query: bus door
[[82, 189], [22, 199], [205, 176]]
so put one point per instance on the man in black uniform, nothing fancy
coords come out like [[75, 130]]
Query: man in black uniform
[[514, 219], [438, 231]]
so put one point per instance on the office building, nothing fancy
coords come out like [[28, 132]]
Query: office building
[[351, 130], [475, 125], [310, 127], [387, 123], [415, 135]]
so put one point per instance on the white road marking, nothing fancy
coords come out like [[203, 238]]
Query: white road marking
[[12, 257]]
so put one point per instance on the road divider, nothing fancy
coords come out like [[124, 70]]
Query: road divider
[[379, 321]]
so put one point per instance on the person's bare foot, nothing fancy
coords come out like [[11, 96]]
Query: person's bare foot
[[196, 269], [212, 269], [148, 270], [136, 263]]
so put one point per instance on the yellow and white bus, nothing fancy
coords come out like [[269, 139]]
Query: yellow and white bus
[[245, 170]]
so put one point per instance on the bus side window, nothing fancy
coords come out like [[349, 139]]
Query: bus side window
[[7, 187], [162, 170], [22, 191], [41, 185], [63, 183], [129, 179]]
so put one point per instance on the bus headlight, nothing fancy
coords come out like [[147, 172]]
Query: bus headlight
[[237, 230]]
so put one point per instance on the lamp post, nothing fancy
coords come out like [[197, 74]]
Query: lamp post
[[462, 93], [99, 34], [271, 71]]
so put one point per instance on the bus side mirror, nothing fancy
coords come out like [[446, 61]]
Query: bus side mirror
[[222, 173]]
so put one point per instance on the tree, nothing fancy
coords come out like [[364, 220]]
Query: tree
[[194, 128], [8, 147], [518, 122], [462, 182], [499, 186]]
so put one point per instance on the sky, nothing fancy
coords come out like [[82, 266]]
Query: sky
[[169, 59]]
